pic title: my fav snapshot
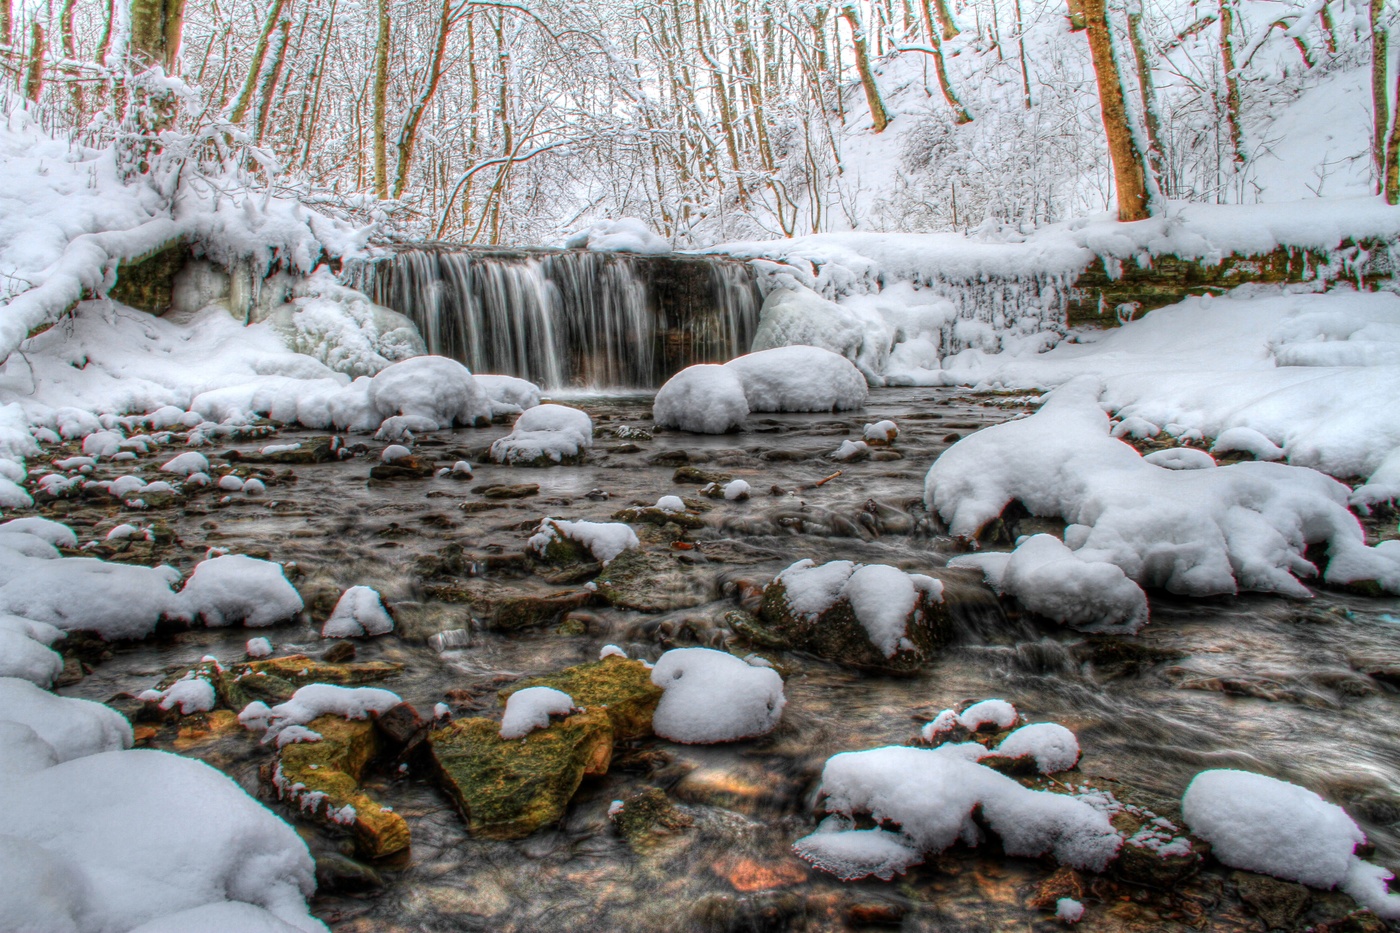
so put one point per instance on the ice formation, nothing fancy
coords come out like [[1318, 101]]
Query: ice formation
[[711, 696]]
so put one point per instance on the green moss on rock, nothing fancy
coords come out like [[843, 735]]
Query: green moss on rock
[[620, 686]]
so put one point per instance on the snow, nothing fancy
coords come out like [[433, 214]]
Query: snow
[[73, 727], [186, 463], [997, 713], [882, 597], [530, 709], [932, 795], [670, 504], [1180, 458], [192, 694], [1053, 581], [711, 696], [551, 431], [258, 648], [850, 450], [625, 235], [359, 611], [1053, 747], [799, 379], [220, 918], [1247, 440], [155, 835], [853, 854], [55, 533], [394, 452], [881, 432], [431, 387], [737, 489], [1263, 824], [343, 329], [604, 540], [236, 588], [1194, 532], [1069, 910], [508, 395], [611, 651], [25, 751], [315, 700], [704, 399], [798, 316]]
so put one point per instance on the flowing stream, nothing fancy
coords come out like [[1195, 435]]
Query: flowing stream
[[1253, 682]]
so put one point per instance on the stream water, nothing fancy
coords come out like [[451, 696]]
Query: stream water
[[1261, 683]]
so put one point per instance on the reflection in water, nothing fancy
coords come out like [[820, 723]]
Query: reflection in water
[[1252, 682]]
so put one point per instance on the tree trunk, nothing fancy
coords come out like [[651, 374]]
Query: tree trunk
[[1129, 171], [945, 19], [70, 52], [379, 102], [1380, 104], [1146, 89], [1021, 49], [7, 22], [156, 28], [34, 71], [1392, 159], [879, 117], [1232, 81], [272, 74], [960, 113], [408, 135], [250, 85]]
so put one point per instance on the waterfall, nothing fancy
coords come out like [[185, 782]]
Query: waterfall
[[564, 318]]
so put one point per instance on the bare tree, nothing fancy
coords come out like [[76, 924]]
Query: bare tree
[[1129, 170]]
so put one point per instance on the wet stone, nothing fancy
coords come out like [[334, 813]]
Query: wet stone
[[404, 468], [339, 652], [698, 477], [651, 515], [647, 814], [504, 491], [620, 686], [276, 679], [652, 582], [1280, 904]]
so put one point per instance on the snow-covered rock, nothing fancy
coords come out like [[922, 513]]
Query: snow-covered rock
[[997, 713], [1053, 747], [315, 700], [625, 235], [1195, 532], [236, 588], [932, 795], [73, 727], [705, 399], [343, 329], [800, 317], [711, 696], [259, 647], [530, 709], [359, 611], [604, 540], [1262, 824], [429, 387], [508, 395], [545, 434], [799, 379]]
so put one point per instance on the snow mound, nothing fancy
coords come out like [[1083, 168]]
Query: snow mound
[[1247, 440], [1069, 910], [45, 529], [507, 394], [186, 463], [359, 611], [221, 918], [552, 432], [852, 854], [625, 235], [258, 648], [26, 657], [799, 379], [1195, 532], [155, 835], [704, 399], [73, 727], [25, 751], [798, 316], [191, 693], [932, 795], [430, 387], [236, 588], [1053, 747], [882, 597], [343, 329], [530, 709], [997, 713], [1180, 458], [711, 696], [604, 540], [737, 490], [1262, 824], [1050, 580]]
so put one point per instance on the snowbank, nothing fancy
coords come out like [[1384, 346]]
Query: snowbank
[[1262, 824], [546, 432], [626, 235], [932, 795], [530, 709], [711, 696], [359, 611], [72, 727], [1195, 532]]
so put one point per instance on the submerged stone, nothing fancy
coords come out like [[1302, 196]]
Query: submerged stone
[[650, 582], [651, 515], [508, 788], [647, 814], [323, 778]]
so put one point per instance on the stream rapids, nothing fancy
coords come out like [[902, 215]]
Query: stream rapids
[[1305, 691]]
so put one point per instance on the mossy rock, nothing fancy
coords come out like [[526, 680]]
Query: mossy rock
[[312, 450], [508, 788], [650, 582], [839, 636], [276, 679], [651, 515], [620, 686], [563, 560], [324, 778], [648, 814], [698, 477]]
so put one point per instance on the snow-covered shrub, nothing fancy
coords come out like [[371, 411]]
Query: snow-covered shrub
[[712, 696]]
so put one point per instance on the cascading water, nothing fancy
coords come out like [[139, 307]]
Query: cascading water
[[564, 318]]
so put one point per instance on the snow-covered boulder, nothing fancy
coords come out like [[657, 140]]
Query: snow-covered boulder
[[155, 835], [705, 399], [530, 709], [1262, 824], [1244, 526], [559, 541], [236, 588], [625, 235], [313, 701], [25, 651], [1053, 581], [869, 616], [73, 727], [545, 435], [800, 317], [508, 394], [711, 696], [799, 379], [430, 387], [932, 796], [343, 329], [359, 611]]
